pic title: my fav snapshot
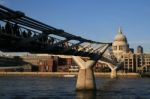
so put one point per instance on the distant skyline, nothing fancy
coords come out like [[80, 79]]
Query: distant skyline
[[98, 20]]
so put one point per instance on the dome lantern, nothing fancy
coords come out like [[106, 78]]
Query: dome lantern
[[120, 36]]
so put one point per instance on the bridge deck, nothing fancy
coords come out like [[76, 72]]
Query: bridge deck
[[21, 33]]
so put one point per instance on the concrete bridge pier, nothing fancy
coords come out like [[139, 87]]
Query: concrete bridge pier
[[114, 70], [113, 73], [86, 79]]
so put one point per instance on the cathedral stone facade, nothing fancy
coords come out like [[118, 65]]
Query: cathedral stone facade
[[133, 62], [120, 45]]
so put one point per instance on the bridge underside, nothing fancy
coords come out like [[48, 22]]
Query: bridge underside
[[12, 44]]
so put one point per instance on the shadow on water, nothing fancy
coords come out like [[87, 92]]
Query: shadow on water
[[64, 88], [108, 85], [12, 61], [96, 94], [85, 95], [119, 89]]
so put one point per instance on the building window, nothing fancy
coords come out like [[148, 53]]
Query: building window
[[130, 60], [120, 47], [115, 47]]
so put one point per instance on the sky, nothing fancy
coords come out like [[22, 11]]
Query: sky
[[97, 20]]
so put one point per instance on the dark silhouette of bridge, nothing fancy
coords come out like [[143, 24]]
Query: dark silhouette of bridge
[[24, 34], [20, 33]]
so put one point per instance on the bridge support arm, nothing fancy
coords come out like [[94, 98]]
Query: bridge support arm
[[86, 79], [113, 67]]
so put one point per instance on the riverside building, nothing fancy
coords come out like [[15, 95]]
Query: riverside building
[[133, 62]]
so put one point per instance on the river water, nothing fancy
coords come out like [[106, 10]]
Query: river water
[[28, 87]]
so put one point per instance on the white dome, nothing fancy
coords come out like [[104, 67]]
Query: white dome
[[120, 36]]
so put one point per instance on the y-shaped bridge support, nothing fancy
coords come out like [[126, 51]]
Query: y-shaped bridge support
[[85, 80], [113, 68]]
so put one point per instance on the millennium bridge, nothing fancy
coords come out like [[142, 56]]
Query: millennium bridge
[[20, 33]]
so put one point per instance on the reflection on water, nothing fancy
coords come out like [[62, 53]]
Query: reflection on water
[[85, 95], [64, 88]]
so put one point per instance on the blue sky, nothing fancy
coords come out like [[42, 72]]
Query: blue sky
[[93, 19]]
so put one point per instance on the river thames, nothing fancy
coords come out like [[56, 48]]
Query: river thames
[[29, 87]]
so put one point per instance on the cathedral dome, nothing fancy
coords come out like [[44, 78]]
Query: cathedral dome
[[120, 45], [120, 36]]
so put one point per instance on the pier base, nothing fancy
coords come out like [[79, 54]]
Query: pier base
[[113, 73], [86, 80], [85, 95]]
